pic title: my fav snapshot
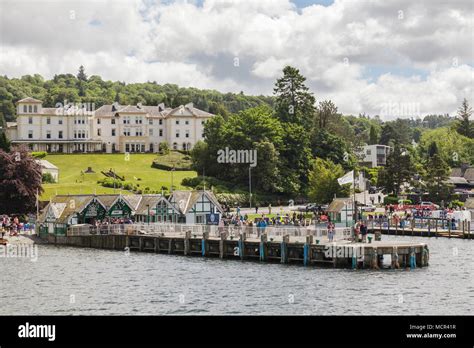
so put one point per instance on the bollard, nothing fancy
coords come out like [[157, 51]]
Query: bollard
[[395, 263], [412, 258]]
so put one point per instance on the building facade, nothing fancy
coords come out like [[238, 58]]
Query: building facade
[[109, 129], [374, 155]]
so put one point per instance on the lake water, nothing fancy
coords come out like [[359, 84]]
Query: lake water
[[74, 281]]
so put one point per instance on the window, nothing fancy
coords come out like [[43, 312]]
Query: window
[[138, 120], [75, 135], [30, 120], [30, 134], [138, 133], [60, 121], [187, 133], [150, 132], [25, 108], [161, 132], [48, 134], [177, 122], [199, 219], [127, 147], [150, 121], [126, 132], [113, 132], [177, 134], [98, 132], [202, 135], [30, 108], [175, 146], [98, 121], [35, 108], [202, 122], [48, 120], [112, 121], [186, 122], [160, 122], [60, 134], [369, 152]]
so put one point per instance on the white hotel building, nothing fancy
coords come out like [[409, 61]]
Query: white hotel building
[[110, 128]]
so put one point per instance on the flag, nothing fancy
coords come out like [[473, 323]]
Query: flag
[[346, 179]]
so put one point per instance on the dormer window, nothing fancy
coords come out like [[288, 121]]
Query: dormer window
[[35, 108], [30, 108], [25, 109], [177, 122]]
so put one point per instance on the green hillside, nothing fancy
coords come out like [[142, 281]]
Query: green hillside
[[71, 181]]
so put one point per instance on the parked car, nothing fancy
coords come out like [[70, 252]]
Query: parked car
[[429, 205], [368, 208]]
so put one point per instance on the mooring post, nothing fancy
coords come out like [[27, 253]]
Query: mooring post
[[307, 249], [374, 259], [140, 243], [263, 247], [436, 229], [412, 226], [222, 244], [204, 243], [354, 258], [449, 229], [463, 229], [412, 258], [395, 263], [187, 242], [284, 249], [157, 244], [170, 246], [242, 238]]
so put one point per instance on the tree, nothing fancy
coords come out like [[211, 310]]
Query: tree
[[373, 136], [323, 183], [81, 75], [325, 111], [464, 126], [4, 143], [294, 103], [20, 181], [435, 178], [398, 171], [331, 147]]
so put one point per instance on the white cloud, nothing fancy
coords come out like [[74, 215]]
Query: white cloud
[[422, 51]]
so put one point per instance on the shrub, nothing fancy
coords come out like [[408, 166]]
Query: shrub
[[390, 200], [39, 154], [48, 178], [164, 148]]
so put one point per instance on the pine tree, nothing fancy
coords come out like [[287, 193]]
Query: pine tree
[[294, 103], [399, 170], [81, 75], [464, 126], [4, 143]]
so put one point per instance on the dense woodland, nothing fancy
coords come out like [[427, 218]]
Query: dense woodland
[[303, 143]]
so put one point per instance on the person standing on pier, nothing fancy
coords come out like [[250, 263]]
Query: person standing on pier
[[363, 231]]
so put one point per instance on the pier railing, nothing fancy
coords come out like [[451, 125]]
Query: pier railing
[[197, 231]]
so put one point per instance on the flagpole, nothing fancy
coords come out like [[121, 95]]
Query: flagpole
[[354, 196]]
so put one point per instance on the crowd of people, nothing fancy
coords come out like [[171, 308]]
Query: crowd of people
[[12, 226]]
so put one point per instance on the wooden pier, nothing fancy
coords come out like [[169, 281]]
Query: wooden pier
[[285, 249]]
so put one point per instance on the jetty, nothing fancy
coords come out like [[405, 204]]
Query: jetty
[[422, 227], [306, 246]]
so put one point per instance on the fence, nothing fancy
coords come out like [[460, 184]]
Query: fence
[[197, 231]]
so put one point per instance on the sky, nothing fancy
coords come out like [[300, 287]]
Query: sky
[[393, 58]]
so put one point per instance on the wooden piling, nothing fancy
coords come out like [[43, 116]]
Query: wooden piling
[[284, 249], [204, 244], [307, 250], [222, 244], [187, 242], [242, 238], [263, 252]]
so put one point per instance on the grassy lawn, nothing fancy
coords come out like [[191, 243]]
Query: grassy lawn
[[137, 167]]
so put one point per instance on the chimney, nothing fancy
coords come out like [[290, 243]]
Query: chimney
[[115, 106], [161, 107], [189, 106], [464, 167], [139, 105]]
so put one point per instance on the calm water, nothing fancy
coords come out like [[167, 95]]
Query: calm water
[[110, 282]]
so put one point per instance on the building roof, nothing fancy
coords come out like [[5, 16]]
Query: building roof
[[29, 100], [46, 164], [337, 204], [466, 172], [469, 203], [185, 200], [11, 124], [457, 180]]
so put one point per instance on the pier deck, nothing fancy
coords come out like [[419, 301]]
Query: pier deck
[[286, 249]]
